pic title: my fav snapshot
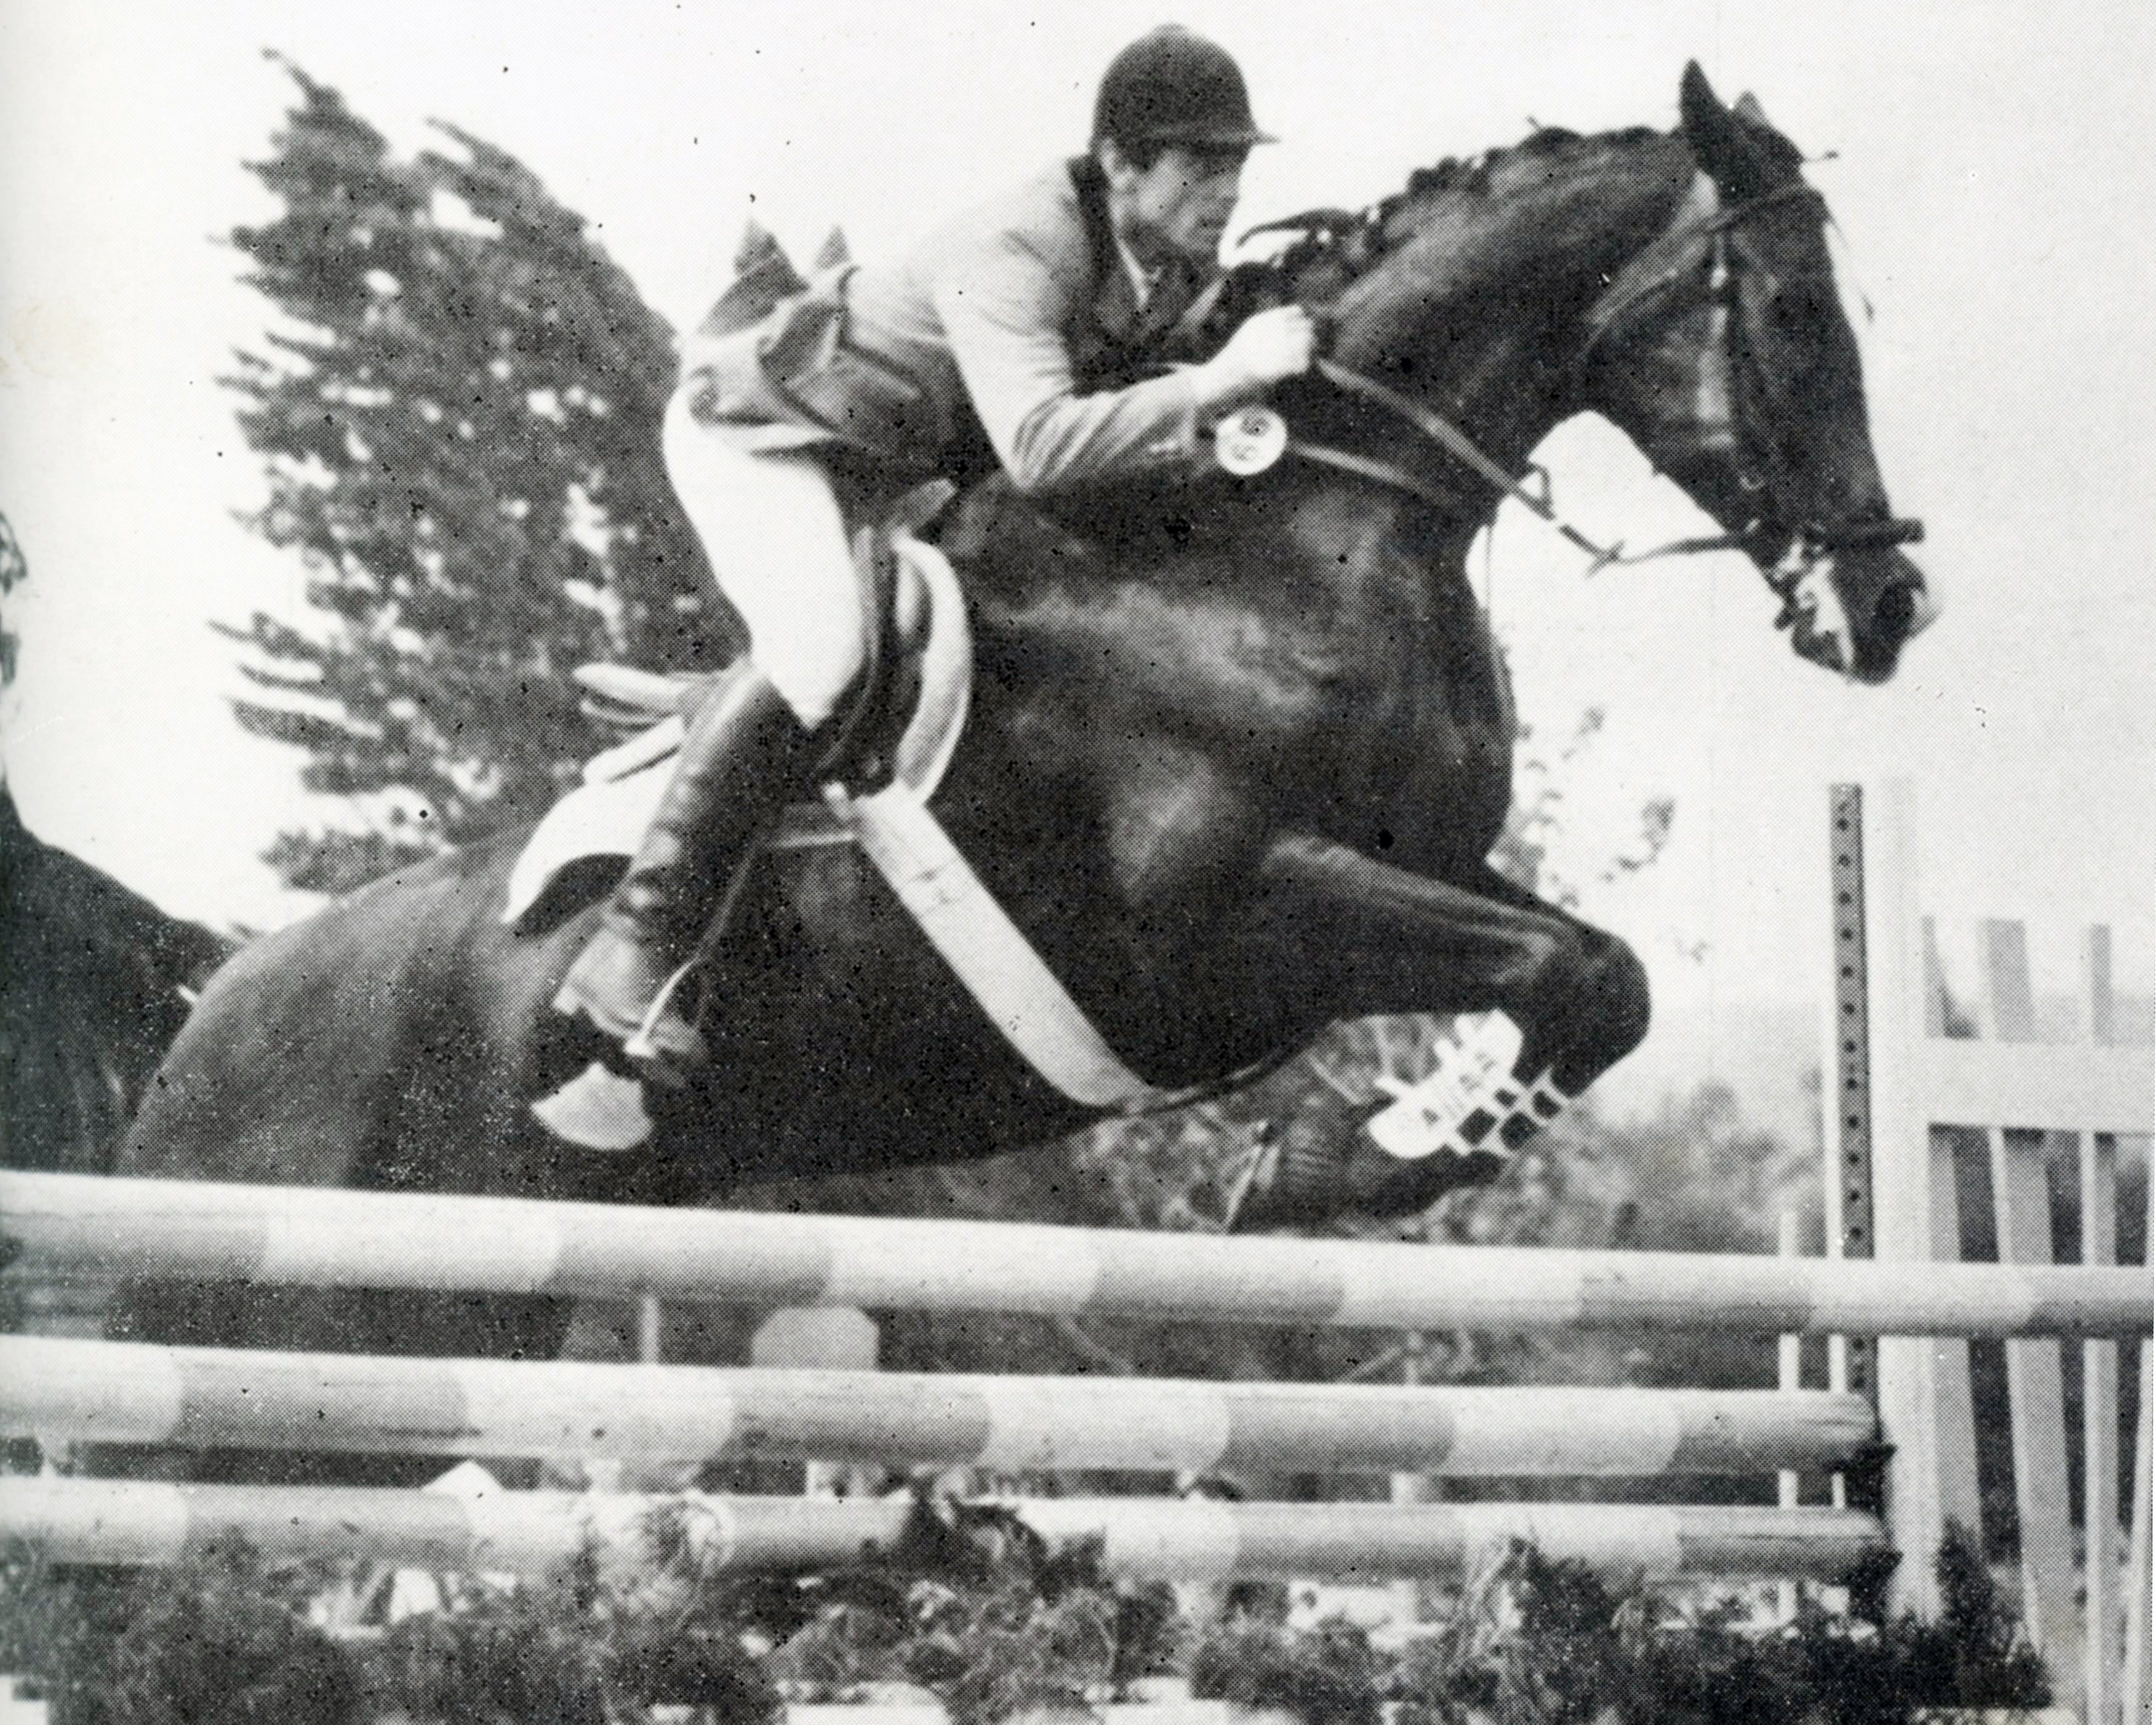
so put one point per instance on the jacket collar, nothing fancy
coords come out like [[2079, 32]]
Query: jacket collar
[[1115, 302], [1116, 308]]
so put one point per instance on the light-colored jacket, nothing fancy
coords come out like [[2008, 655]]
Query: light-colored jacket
[[1018, 320]]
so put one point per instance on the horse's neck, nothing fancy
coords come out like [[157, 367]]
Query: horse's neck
[[1481, 301], [1248, 616], [1505, 399]]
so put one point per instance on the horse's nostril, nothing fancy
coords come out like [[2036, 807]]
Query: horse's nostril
[[1923, 608]]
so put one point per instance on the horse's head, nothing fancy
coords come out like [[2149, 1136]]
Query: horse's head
[[1723, 350]]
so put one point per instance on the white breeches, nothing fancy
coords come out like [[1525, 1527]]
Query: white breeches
[[777, 541]]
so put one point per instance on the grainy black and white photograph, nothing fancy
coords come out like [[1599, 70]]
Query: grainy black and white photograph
[[1180, 864]]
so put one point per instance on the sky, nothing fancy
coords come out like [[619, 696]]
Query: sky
[[1985, 164]]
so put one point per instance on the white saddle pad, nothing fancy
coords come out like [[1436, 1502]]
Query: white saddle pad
[[606, 816]]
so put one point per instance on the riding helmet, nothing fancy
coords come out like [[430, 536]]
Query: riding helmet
[[1173, 86]]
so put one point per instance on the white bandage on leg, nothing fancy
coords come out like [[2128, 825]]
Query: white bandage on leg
[[1469, 1103], [777, 541]]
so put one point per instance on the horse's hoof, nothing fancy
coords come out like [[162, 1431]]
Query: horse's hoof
[[1298, 1179], [1271, 1189], [1387, 1188], [1295, 1177]]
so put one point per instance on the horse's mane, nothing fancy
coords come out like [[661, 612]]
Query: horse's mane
[[1475, 175], [1343, 243]]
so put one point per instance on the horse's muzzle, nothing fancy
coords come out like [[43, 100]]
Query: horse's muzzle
[[1852, 612]]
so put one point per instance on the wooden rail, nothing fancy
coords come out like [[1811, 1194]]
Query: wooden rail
[[235, 1399], [533, 1532], [312, 1237]]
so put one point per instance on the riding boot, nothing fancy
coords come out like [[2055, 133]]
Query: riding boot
[[744, 755]]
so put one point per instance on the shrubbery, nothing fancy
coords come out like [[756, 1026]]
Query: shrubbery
[[974, 1608]]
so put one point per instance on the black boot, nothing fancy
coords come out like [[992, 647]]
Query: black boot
[[742, 756]]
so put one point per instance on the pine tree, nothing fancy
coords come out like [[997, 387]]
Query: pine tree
[[460, 415]]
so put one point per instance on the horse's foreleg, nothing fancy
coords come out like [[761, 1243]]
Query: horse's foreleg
[[1392, 942], [1382, 939]]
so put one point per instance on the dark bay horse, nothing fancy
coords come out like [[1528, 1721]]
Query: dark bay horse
[[1236, 776]]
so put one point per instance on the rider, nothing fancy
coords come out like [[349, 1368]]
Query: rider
[[1008, 336]]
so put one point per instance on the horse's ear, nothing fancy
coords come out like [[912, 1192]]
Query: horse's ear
[[764, 275], [759, 250], [833, 251], [1720, 141], [1748, 108], [1698, 105]]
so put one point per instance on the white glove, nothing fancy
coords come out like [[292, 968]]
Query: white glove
[[1268, 346]]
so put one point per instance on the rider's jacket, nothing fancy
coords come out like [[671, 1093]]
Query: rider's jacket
[[1013, 333]]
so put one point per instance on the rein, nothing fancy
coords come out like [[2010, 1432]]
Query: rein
[[1437, 429], [1448, 436]]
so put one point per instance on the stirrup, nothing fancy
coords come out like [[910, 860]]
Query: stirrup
[[672, 1059]]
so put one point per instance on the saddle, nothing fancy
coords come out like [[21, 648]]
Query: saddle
[[900, 727], [891, 752]]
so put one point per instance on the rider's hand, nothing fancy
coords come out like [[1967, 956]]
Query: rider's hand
[[1268, 346]]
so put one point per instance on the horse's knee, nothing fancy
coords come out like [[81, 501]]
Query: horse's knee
[[1611, 1009], [1619, 982], [1597, 1010]]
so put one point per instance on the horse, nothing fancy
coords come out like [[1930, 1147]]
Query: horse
[[1239, 747]]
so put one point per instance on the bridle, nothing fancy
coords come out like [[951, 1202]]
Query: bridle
[[1727, 385], [1730, 384]]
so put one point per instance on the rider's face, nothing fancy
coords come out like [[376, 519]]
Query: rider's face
[[1181, 204]]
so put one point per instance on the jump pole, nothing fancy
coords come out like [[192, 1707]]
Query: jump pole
[[307, 1236], [534, 1532], [63, 1391]]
